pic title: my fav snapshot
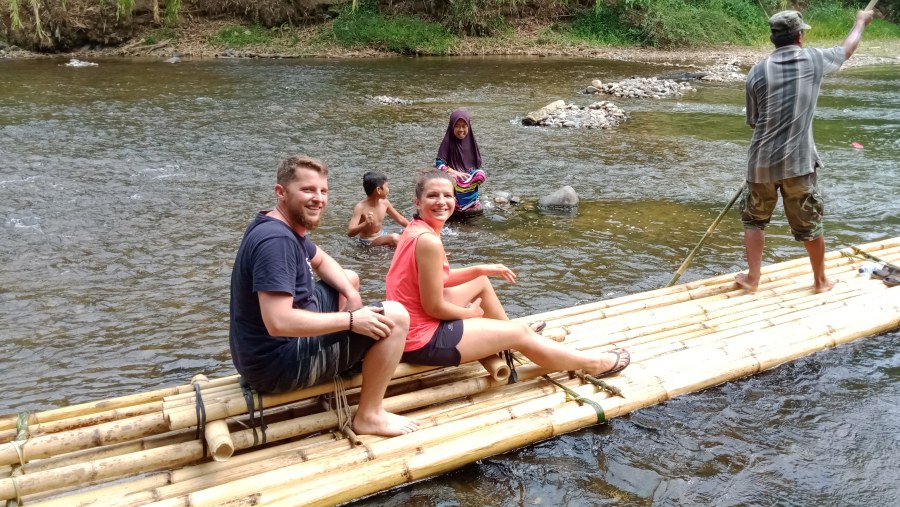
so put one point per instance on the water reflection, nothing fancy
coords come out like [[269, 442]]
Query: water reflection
[[124, 193]]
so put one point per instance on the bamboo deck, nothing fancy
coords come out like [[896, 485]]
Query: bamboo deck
[[143, 449]]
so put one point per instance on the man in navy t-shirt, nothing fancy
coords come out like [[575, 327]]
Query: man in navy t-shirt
[[289, 331]]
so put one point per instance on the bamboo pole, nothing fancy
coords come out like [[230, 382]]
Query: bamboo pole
[[9, 420], [496, 367], [709, 231], [216, 434]]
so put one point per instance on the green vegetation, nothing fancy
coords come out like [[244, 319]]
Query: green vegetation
[[831, 22], [234, 36], [363, 27], [430, 27], [157, 36], [680, 23]]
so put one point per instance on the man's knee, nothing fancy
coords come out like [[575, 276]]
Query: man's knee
[[353, 277], [397, 313]]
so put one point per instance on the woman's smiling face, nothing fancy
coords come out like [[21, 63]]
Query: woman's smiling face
[[436, 201]]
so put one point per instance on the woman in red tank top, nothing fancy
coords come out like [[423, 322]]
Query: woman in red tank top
[[455, 315]]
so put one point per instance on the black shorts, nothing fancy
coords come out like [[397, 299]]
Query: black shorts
[[321, 358], [441, 350]]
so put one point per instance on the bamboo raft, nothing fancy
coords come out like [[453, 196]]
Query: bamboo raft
[[145, 449]]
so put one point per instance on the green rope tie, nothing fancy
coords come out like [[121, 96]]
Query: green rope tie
[[581, 400], [603, 386], [858, 253]]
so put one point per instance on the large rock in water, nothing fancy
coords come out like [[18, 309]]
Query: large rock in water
[[564, 198], [540, 116]]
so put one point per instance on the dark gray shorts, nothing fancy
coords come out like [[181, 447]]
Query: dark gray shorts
[[441, 350], [321, 358]]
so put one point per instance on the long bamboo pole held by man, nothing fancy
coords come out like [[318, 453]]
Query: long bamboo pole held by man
[[712, 227]]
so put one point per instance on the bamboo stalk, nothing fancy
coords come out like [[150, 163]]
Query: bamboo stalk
[[709, 231], [216, 434], [496, 367], [9, 420]]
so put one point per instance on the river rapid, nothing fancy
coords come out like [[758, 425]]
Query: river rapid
[[125, 189]]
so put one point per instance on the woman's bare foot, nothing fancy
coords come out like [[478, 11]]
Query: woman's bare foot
[[610, 363], [824, 286], [384, 424], [742, 280]]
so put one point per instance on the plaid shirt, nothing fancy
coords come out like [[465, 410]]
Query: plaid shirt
[[781, 101]]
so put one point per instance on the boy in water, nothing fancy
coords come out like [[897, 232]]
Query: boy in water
[[368, 214]]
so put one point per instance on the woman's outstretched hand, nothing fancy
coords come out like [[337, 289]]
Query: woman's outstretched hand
[[499, 270], [371, 321]]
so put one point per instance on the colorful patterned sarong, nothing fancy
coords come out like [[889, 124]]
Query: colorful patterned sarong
[[466, 189]]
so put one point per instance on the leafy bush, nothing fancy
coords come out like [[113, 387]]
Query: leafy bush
[[831, 21], [401, 34], [239, 36], [605, 25], [478, 17]]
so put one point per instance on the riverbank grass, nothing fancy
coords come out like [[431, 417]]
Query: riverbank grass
[[365, 28]]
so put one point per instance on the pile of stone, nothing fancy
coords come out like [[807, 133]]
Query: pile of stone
[[599, 115], [640, 88], [726, 71], [391, 101], [74, 62]]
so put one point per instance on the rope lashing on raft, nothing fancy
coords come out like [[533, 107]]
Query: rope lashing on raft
[[21, 436], [581, 400], [343, 411], [603, 386], [866, 255], [251, 408], [200, 410], [513, 376]]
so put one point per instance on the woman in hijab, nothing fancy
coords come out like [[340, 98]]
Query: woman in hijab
[[459, 156]]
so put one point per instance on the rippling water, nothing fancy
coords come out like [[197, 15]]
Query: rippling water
[[124, 190]]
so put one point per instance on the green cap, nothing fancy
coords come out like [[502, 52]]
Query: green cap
[[787, 22]]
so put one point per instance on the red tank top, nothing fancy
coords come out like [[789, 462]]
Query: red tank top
[[402, 285]]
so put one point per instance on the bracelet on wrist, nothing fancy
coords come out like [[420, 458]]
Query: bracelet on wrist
[[351, 322]]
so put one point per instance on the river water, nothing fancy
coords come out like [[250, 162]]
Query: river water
[[125, 188]]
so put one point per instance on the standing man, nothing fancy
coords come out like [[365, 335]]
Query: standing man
[[781, 101], [289, 331]]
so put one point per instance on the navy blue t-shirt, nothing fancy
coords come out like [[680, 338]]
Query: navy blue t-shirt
[[272, 258]]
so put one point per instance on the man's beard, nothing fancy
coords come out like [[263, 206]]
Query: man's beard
[[308, 224]]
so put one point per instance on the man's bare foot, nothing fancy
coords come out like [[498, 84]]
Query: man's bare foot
[[825, 286], [742, 280], [610, 363], [384, 424]]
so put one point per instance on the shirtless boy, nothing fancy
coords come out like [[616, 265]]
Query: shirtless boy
[[368, 214]]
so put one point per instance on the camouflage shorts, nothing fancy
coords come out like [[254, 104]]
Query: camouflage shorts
[[803, 205]]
